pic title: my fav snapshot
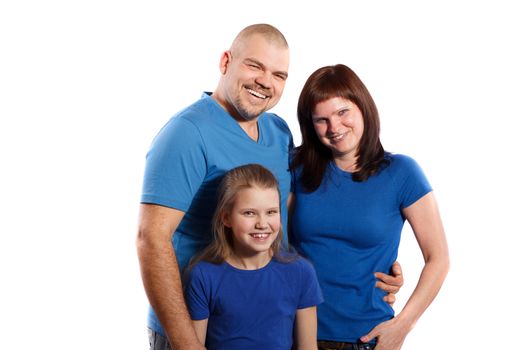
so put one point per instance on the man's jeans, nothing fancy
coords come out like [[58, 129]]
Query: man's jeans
[[157, 341]]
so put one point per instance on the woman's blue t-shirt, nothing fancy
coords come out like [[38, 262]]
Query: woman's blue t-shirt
[[349, 230]]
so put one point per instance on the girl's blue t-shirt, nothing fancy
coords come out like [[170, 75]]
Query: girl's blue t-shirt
[[349, 230], [251, 309]]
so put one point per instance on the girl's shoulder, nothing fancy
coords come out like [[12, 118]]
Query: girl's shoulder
[[204, 268], [293, 261]]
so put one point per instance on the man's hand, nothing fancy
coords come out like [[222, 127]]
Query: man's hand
[[390, 283]]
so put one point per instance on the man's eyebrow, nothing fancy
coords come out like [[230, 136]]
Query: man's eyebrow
[[260, 64]]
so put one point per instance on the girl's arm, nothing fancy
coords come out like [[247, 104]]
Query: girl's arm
[[305, 331], [426, 223], [201, 327]]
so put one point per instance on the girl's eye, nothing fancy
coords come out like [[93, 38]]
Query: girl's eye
[[249, 213], [273, 212]]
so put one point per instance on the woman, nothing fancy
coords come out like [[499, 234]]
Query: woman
[[351, 199]]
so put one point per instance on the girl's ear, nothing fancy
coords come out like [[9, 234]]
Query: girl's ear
[[226, 220]]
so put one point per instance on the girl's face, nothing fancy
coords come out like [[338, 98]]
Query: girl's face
[[255, 221], [339, 125]]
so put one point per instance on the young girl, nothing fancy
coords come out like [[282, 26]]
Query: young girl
[[243, 291]]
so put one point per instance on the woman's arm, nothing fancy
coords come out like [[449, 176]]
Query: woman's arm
[[305, 331], [425, 221]]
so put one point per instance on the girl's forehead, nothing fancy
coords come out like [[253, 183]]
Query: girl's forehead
[[256, 192]]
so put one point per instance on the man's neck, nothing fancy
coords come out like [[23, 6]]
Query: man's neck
[[250, 127]]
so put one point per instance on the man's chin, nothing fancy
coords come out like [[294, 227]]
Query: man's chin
[[251, 115]]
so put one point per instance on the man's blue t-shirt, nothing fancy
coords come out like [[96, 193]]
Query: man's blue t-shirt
[[251, 309], [188, 159], [349, 230]]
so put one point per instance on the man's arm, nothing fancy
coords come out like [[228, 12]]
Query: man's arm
[[390, 283], [160, 274]]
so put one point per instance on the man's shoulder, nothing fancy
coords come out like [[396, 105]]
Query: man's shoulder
[[199, 108], [274, 119], [275, 123]]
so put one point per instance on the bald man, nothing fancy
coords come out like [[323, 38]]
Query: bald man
[[189, 156]]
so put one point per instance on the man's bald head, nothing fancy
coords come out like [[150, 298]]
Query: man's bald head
[[269, 32]]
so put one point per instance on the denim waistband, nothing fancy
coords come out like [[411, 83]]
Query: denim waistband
[[335, 345]]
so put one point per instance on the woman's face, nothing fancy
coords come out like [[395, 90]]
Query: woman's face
[[339, 125]]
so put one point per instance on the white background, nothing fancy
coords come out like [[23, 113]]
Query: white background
[[85, 86]]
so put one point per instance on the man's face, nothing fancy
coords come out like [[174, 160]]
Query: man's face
[[255, 73]]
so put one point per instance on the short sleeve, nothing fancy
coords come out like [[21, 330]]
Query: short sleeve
[[412, 181], [310, 290], [175, 165], [197, 299]]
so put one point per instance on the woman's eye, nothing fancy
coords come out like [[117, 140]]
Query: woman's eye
[[343, 112]]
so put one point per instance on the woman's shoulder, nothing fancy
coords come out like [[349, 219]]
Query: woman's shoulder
[[399, 161]]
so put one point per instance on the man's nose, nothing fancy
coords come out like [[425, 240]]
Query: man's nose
[[264, 79]]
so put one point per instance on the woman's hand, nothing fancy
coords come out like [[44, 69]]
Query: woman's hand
[[390, 334]]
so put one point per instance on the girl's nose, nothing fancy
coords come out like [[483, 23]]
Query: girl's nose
[[261, 223]]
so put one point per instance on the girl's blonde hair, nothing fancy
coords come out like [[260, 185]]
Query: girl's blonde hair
[[235, 180]]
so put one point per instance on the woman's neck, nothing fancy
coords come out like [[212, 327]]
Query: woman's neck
[[346, 163]]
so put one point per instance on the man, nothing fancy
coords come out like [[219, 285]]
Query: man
[[188, 158]]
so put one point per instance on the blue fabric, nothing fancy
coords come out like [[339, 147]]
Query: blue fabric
[[349, 230], [189, 157], [251, 309]]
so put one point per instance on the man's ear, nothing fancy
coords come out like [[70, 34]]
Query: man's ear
[[225, 61]]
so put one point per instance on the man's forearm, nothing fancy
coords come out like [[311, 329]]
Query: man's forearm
[[162, 283]]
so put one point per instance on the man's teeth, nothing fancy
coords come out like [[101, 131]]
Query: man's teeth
[[257, 94]]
